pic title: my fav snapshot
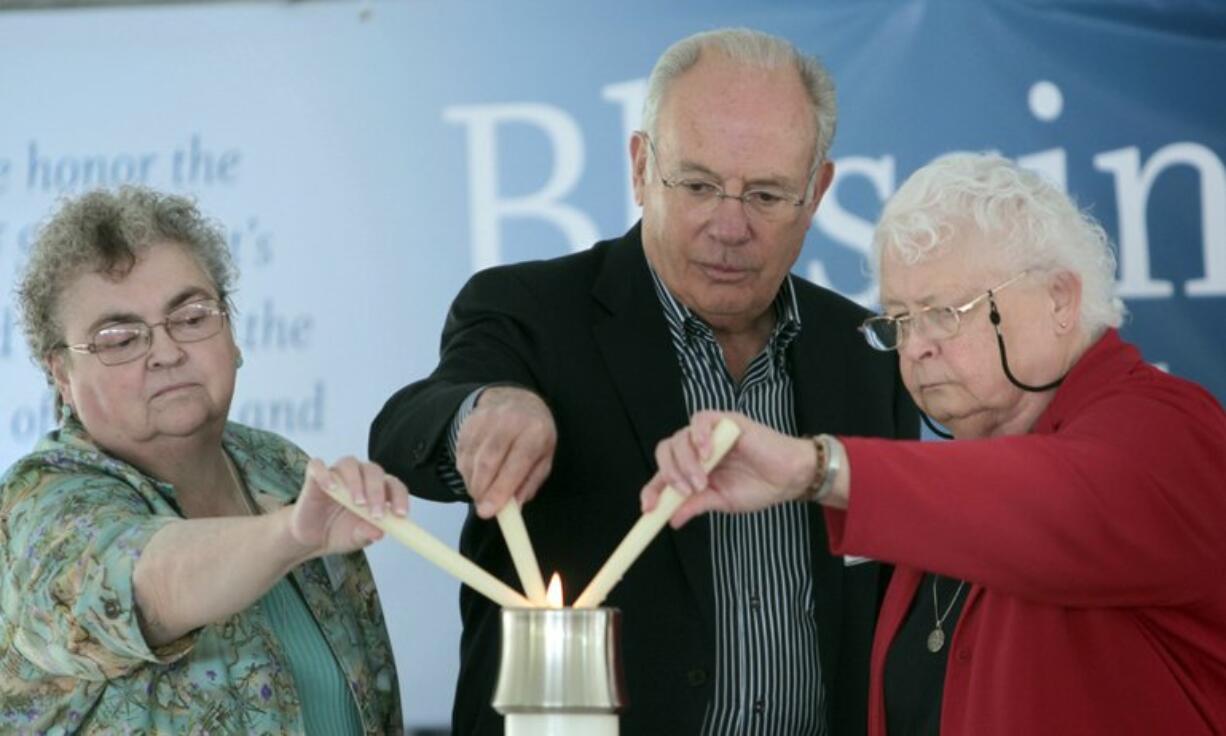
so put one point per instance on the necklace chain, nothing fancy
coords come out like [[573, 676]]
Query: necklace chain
[[936, 609], [239, 485]]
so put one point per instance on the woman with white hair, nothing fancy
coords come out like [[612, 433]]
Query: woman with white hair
[[1060, 565]]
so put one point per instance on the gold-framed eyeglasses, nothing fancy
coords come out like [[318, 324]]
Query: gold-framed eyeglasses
[[884, 332], [704, 193], [124, 342]]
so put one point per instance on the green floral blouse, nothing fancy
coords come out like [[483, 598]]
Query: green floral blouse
[[73, 522]]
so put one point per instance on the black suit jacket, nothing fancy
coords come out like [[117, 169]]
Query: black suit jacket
[[587, 333]]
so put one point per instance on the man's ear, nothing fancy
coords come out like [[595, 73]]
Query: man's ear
[[821, 184], [638, 165]]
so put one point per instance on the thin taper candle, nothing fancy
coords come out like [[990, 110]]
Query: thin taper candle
[[650, 523], [511, 521], [408, 533]]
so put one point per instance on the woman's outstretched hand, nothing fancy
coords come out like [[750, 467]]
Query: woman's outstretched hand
[[763, 468]]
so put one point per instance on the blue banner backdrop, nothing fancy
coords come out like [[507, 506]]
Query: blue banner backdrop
[[365, 159]]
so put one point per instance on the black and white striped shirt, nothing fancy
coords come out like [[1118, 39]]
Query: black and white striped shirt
[[768, 677]]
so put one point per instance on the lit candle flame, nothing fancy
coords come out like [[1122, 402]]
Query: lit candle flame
[[553, 596]]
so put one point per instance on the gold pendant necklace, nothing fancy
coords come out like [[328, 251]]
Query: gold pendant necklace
[[936, 639]]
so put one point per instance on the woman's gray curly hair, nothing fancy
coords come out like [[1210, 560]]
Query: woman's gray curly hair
[[105, 231]]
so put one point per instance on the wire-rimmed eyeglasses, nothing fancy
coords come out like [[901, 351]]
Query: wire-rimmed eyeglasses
[[884, 332], [124, 342], [703, 194]]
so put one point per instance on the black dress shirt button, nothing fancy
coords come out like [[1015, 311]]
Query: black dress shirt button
[[419, 450], [697, 677], [755, 603], [759, 707]]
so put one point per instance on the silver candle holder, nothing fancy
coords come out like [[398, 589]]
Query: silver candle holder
[[561, 672]]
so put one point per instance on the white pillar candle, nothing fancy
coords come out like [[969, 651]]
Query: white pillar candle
[[561, 724], [560, 671]]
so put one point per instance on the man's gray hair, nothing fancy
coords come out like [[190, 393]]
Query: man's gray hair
[[1031, 223], [751, 48]]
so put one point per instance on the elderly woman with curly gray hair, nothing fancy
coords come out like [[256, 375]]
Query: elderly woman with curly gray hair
[[1060, 564], [163, 570]]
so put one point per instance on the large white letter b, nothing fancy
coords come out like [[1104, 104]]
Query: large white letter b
[[488, 209]]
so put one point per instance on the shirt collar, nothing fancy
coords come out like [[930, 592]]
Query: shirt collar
[[70, 445], [683, 323]]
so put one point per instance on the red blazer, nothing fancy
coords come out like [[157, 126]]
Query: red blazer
[[1096, 546]]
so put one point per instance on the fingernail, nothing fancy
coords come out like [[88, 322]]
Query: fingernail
[[327, 478]]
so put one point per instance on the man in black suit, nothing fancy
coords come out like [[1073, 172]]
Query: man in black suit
[[558, 378]]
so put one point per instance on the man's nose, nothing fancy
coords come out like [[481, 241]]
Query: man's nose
[[730, 220]]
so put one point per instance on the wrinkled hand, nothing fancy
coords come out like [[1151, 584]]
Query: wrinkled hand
[[325, 527], [505, 448], [762, 469]]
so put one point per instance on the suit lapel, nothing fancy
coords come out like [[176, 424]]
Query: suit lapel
[[818, 406], [635, 345], [818, 410]]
